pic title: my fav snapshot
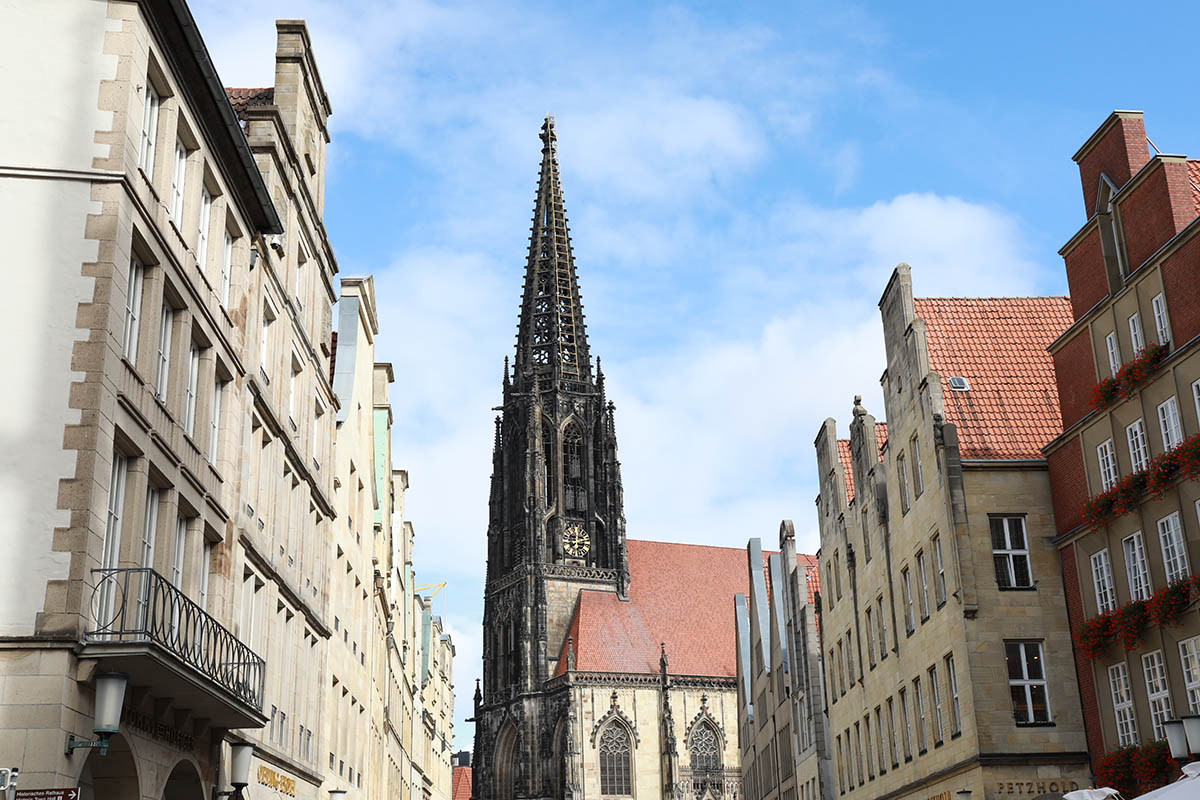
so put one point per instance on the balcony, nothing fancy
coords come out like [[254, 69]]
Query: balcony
[[695, 784], [144, 626]]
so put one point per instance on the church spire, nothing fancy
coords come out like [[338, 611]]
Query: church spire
[[551, 339]]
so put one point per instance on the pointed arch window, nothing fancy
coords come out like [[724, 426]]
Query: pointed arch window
[[548, 450], [705, 748], [574, 495], [615, 762]]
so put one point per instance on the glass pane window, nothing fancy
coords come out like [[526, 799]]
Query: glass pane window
[[162, 379], [918, 479], [1010, 552], [1168, 423], [935, 694], [908, 600], [1106, 595], [849, 657], [1135, 566], [1108, 465], [705, 748], [1170, 534], [178, 182], [939, 584], [1161, 330], [871, 640], [1027, 682], [881, 750], [1157, 692], [904, 710], [226, 268], [952, 682], [202, 230], [902, 473], [189, 405], [149, 130], [924, 586], [1189, 655], [922, 744], [891, 706], [882, 628], [133, 308], [1196, 397], [1118, 683], [615, 762], [1135, 335], [1139, 452], [1114, 355]]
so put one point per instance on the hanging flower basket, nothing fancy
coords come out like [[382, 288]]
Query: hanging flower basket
[[1130, 377], [1129, 621], [1117, 770], [1095, 636], [1169, 603], [1159, 475], [1153, 766]]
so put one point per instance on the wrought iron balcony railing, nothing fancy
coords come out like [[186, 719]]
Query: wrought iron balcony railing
[[695, 784], [140, 606]]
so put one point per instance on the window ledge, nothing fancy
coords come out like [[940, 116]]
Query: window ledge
[[941, 604], [922, 752], [1036, 725], [938, 744], [924, 619], [1016, 588], [955, 735], [907, 759]]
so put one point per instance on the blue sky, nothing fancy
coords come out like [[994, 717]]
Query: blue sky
[[740, 180]]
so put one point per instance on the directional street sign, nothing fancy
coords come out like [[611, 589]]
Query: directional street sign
[[47, 794]]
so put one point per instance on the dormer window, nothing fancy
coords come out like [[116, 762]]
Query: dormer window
[[959, 384], [1110, 234]]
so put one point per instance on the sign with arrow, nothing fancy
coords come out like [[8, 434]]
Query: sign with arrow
[[48, 794]]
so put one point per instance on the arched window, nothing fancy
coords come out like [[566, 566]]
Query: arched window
[[574, 495], [706, 748], [548, 450], [615, 777]]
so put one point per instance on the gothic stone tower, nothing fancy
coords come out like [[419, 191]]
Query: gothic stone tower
[[556, 524]]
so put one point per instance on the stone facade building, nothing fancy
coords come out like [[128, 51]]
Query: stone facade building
[[1134, 273], [170, 445], [609, 665], [783, 730], [948, 660]]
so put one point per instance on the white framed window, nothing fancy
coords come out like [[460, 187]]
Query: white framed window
[[1108, 465], [214, 419], [1122, 697], [952, 683], [178, 182], [891, 706], [1114, 354], [293, 379], [226, 268], [908, 600], [1189, 654], [205, 566], [179, 554], [906, 715], [1139, 452], [1161, 329], [935, 694], [149, 527], [265, 341], [883, 647], [924, 586], [1010, 553], [866, 534], [850, 656], [1168, 423], [1157, 692], [162, 379], [902, 474], [149, 130], [1027, 682], [1196, 397], [1135, 566], [202, 230], [111, 552], [871, 635], [1135, 334], [1170, 535], [1106, 595], [133, 308], [922, 743], [939, 584], [189, 398], [881, 746], [918, 479]]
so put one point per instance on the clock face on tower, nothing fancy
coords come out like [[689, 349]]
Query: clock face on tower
[[575, 541]]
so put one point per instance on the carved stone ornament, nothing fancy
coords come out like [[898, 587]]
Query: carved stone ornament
[[615, 713]]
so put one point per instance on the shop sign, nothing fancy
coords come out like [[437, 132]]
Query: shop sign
[[148, 725], [47, 794], [271, 778], [1035, 788]]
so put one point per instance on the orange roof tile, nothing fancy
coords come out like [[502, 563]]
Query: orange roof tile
[[999, 345], [843, 446], [461, 784], [1193, 170], [679, 594], [242, 99]]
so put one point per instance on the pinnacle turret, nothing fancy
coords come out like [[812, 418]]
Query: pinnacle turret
[[551, 339]]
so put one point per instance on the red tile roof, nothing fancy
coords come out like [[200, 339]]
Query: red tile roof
[[843, 446], [814, 581], [461, 784], [999, 345], [242, 99], [680, 594]]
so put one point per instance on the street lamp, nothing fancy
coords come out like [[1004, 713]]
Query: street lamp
[[110, 698], [1183, 737], [337, 794], [239, 770], [964, 794]]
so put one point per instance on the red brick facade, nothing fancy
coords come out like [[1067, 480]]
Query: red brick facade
[[1075, 370], [1087, 280], [1119, 153], [1182, 290], [1068, 485], [1083, 667], [1156, 209]]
